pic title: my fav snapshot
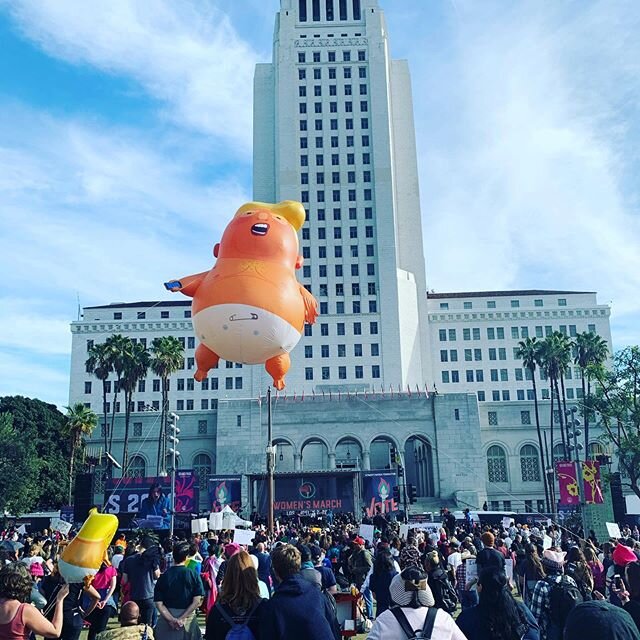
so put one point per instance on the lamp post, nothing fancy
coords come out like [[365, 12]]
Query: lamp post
[[573, 422], [270, 463], [173, 450]]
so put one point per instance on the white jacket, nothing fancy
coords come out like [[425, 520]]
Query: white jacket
[[386, 626]]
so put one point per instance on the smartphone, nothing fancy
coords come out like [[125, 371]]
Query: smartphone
[[618, 585]]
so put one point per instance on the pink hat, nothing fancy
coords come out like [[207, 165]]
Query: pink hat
[[231, 549], [622, 555], [36, 569]]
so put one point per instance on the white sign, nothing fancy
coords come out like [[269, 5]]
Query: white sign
[[633, 504], [243, 536], [431, 527], [404, 531], [547, 543], [366, 531], [200, 525], [472, 569], [508, 568], [215, 521], [506, 522], [613, 530], [60, 525]]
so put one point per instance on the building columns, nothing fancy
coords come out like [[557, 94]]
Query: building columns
[[296, 461], [332, 460], [366, 462]]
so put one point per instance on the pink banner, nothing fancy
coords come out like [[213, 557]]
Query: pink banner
[[567, 481], [591, 482]]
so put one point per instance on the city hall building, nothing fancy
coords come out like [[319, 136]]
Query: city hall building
[[387, 366]]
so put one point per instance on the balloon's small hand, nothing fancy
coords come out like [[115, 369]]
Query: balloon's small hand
[[173, 285]]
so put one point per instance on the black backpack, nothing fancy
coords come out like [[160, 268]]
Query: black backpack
[[443, 592], [563, 597], [413, 634]]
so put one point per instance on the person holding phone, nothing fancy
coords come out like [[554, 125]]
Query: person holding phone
[[631, 598]]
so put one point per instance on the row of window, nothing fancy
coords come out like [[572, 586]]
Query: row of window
[[141, 315], [318, 124], [505, 395], [338, 269], [517, 333], [341, 329], [333, 107], [202, 466], [341, 350], [325, 372], [335, 177], [329, 10], [336, 196], [356, 307], [334, 142], [331, 56], [347, 90], [321, 233], [337, 250], [502, 375], [335, 160], [515, 304], [333, 73]]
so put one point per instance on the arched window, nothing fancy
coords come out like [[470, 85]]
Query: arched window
[[529, 464], [558, 454], [202, 467], [595, 449], [497, 464], [137, 467]]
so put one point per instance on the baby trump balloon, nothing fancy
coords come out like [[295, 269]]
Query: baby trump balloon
[[249, 307]]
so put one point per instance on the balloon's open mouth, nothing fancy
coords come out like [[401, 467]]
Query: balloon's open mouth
[[260, 229]]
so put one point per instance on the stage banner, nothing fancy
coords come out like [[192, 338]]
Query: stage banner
[[308, 494], [377, 491], [568, 483], [223, 491], [591, 482], [125, 495]]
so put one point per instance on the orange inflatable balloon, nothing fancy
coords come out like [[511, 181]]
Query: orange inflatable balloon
[[249, 307]]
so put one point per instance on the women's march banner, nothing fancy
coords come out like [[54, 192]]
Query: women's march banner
[[223, 491], [568, 483], [591, 482]]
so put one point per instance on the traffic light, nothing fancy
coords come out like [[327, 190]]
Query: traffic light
[[412, 492], [400, 471], [396, 493], [392, 455]]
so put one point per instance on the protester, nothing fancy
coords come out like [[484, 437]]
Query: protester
[[327, 577], [37, 599], [18, 619], [297, 609], [239, 602], [156, 504], [414, 611], [264, 564], [140, 571], [104, 582], [444, 594], [577, 567], [177, 595], [554, 597], [497, 616], [631, 598], [597, 569], [307, 569], [622, 556], [599, 620], [488, 556], [129, 629], [531, 571], [380, 580]]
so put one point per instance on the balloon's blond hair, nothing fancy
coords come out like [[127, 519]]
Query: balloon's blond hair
[[290, 210]]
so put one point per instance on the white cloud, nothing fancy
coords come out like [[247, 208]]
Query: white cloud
[[524, 114], [185, 54]]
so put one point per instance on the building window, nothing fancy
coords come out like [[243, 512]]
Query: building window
[[308, 373], [375, 371], [562, 302], [491, 304], [537, 303], [442, 333], [481, 396], [529, 464], [202, 467], [325, 373], [87, 387], [137, 429], [445, 377], [137, 467], [497, 464], [493, 418], [444, 305], [515, 304], [202, 427], [117, 315], [359, 371]]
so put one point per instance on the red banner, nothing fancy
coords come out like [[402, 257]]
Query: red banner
[[591, 482], [567, 480]]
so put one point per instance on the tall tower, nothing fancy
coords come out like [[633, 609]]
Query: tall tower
[[333, 128]]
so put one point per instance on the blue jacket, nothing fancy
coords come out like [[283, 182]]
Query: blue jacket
[[472, 624], [297, 610]]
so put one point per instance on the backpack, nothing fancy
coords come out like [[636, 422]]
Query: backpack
[[444, 594], [239, 631], [563, 597], [419, 634]]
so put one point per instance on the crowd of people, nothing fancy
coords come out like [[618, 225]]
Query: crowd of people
[[461, 581]]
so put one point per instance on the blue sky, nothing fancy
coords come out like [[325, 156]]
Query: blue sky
[[125, 146]]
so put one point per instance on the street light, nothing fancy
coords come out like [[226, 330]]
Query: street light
[[173, 450], [573, 432]]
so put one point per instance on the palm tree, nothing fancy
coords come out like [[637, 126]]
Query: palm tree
[[591, 351], [167, 358], [551, 358], [99, 364], [136, 365], [564, 347], [529, 353], [120, 348], [81, 421]]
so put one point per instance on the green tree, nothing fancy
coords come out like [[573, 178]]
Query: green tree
[[550, 362], [120, 348], [135, 368], [81, 421], [617, 401], [99, 364], [591, 352], [18, 469], [529, 353], [167, 358], [42, 426]]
